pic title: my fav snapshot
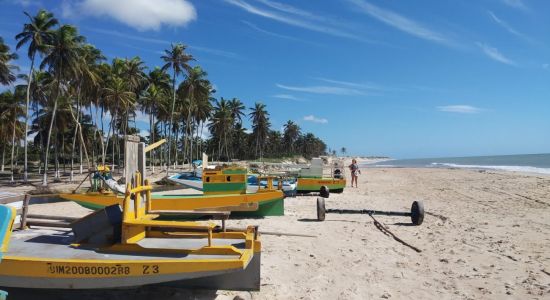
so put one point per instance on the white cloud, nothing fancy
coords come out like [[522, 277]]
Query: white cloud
[[139, 14], [516, 4], [292, 20], [208, 50], [142, 117], [144, 133], [26, 3], [494, 54], [288, 9], [463, 109], [320, 89], [314, 119], [401, 23], [505, 25], [287, 97], [366, 86], [218, 52]]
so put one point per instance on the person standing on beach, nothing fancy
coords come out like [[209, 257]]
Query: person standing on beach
[[354, 168]]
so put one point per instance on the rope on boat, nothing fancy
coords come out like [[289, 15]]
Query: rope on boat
[[386, 231]]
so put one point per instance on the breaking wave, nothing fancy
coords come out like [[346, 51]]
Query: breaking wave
[[526, 169]]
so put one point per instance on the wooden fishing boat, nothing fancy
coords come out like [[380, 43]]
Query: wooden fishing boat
[[254, 183], [308, 185], [224, 188], [128, 247], [313, 178]]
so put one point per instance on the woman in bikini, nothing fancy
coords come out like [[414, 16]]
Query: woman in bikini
[[354, 168]]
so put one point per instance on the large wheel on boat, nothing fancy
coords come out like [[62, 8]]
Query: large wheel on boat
[[324, 191], [320, 209], [417, 212]]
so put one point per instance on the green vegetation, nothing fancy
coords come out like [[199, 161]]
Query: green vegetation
[[78, 107]]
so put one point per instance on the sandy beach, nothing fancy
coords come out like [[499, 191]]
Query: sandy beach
[[486, 235]]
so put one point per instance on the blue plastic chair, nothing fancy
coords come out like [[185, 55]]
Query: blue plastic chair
[[6, 219]]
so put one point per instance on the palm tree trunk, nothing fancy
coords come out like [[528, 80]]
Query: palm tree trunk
[[63, 154], [3, 156], [13, 146], [56, 154], [151, 141], [171, 118], [45, 179], [25, 172]]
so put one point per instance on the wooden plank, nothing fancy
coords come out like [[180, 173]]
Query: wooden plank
[[6, 197], [57, 224], [154, 145], [47, 217], [25, 211], [190, 212]]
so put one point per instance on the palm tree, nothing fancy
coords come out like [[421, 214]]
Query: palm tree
[[37, 33], [149, 103], [194, 89], [119, 98], [343, 150], [178, 60], [6, 70], [155, 93], [10, 111], [62, 60], [260, 126], [220, 125], [291, 134]]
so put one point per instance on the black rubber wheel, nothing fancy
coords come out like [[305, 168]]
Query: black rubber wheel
[[324, 191], [417, 213], [320, 209]]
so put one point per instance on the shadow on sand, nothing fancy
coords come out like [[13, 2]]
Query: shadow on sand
[[141, 293]]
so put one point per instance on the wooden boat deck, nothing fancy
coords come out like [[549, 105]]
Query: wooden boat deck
[[54, 243]]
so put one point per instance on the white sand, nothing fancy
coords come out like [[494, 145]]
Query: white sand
[[486, 235]]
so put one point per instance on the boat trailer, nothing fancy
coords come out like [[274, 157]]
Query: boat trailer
[[416, 213]]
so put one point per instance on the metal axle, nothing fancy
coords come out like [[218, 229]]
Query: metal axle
[[416, 213], [368, 212]]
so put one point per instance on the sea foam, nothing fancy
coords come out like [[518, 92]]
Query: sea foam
[[526, 169]]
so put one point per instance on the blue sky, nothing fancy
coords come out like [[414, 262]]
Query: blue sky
[[400, 78]]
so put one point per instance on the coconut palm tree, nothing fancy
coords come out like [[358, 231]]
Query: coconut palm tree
[[203, 111], [260, 126], [119, 98], [37, 33], [194, 88], [155, 93], [220, 126], [149, 103], [290, 135], [10, 112], [62, 60], [7, 75], [178, 60]]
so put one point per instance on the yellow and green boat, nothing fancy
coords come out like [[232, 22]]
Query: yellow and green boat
[[117, 248], [312, 179], [314, 184], [224, 188]]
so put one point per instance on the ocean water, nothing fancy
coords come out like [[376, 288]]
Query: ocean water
[[532, 163]]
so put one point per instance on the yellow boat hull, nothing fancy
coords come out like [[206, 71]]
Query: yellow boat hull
[[306, 185], [263, 202]]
